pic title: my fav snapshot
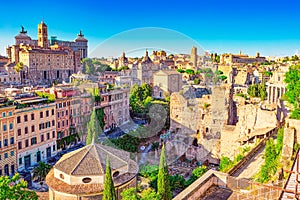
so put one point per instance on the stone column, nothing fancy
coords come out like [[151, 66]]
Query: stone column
[[272, 95], [269, 94]]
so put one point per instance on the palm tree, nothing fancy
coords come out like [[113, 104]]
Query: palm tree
[[40, 172]]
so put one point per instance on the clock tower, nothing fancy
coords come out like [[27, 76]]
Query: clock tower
[[43, 35]]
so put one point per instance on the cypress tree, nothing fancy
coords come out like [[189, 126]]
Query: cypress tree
[[93, 129], [109, 192], [163, 185]]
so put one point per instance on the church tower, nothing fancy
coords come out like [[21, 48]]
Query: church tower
[[43, 35]]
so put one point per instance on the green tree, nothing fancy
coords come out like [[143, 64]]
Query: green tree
[[180, 70], [190, 72], [262, 89], [163, 185], [109, 192], [196, 81], [129, 194], [196, 173], [222, 77], [93, 129], [15, 188], [150, 194], [88, 66], [292, 78], [40, 172], [140, 97]]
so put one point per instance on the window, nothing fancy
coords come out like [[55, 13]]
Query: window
[[26, 130], [4, 114], [58, 124], [4, 127], [12, 140], [32, 128], [47, 113], [53, 134], [62, 113], [19, 145], [26, 143], [19, 132], [20, 161], [11, 126], [63, 123], [18, 119], [52, 111], [41, 126], [48, 136], [5, 142], [33, 141], [41, 114], [58, 114], [32, 116], [53, 123], [10, 113], [42, 138], [25, 118], [53, 147], [67, 122], [5, 155], [12, 153], [67, 112], [0, 144], [12, 169]]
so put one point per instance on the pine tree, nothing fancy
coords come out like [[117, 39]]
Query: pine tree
[[163, 185], [93, 129], [109, 192]]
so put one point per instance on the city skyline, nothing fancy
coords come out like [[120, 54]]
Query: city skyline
[[255, 26]]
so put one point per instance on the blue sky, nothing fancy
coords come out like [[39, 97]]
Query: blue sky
[[270, 27]]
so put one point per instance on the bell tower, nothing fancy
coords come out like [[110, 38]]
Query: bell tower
[[43, 35]]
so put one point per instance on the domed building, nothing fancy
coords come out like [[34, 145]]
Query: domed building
[[80, 174]]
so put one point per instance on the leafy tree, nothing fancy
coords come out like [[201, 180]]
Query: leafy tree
[[163, 185], [190, 72], [88, 66], [149, 171], [225, 164], [196, 173], [140, 97], [257, 90], [219, 72], [222, 77], [196, 81], [268, 73], [40, 172], [50, 97], [93, 129], [129, 194], [123, 68], [176, 182], [150, 194], [14, 188], [180, 70], [109, 192], [292, 78]]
